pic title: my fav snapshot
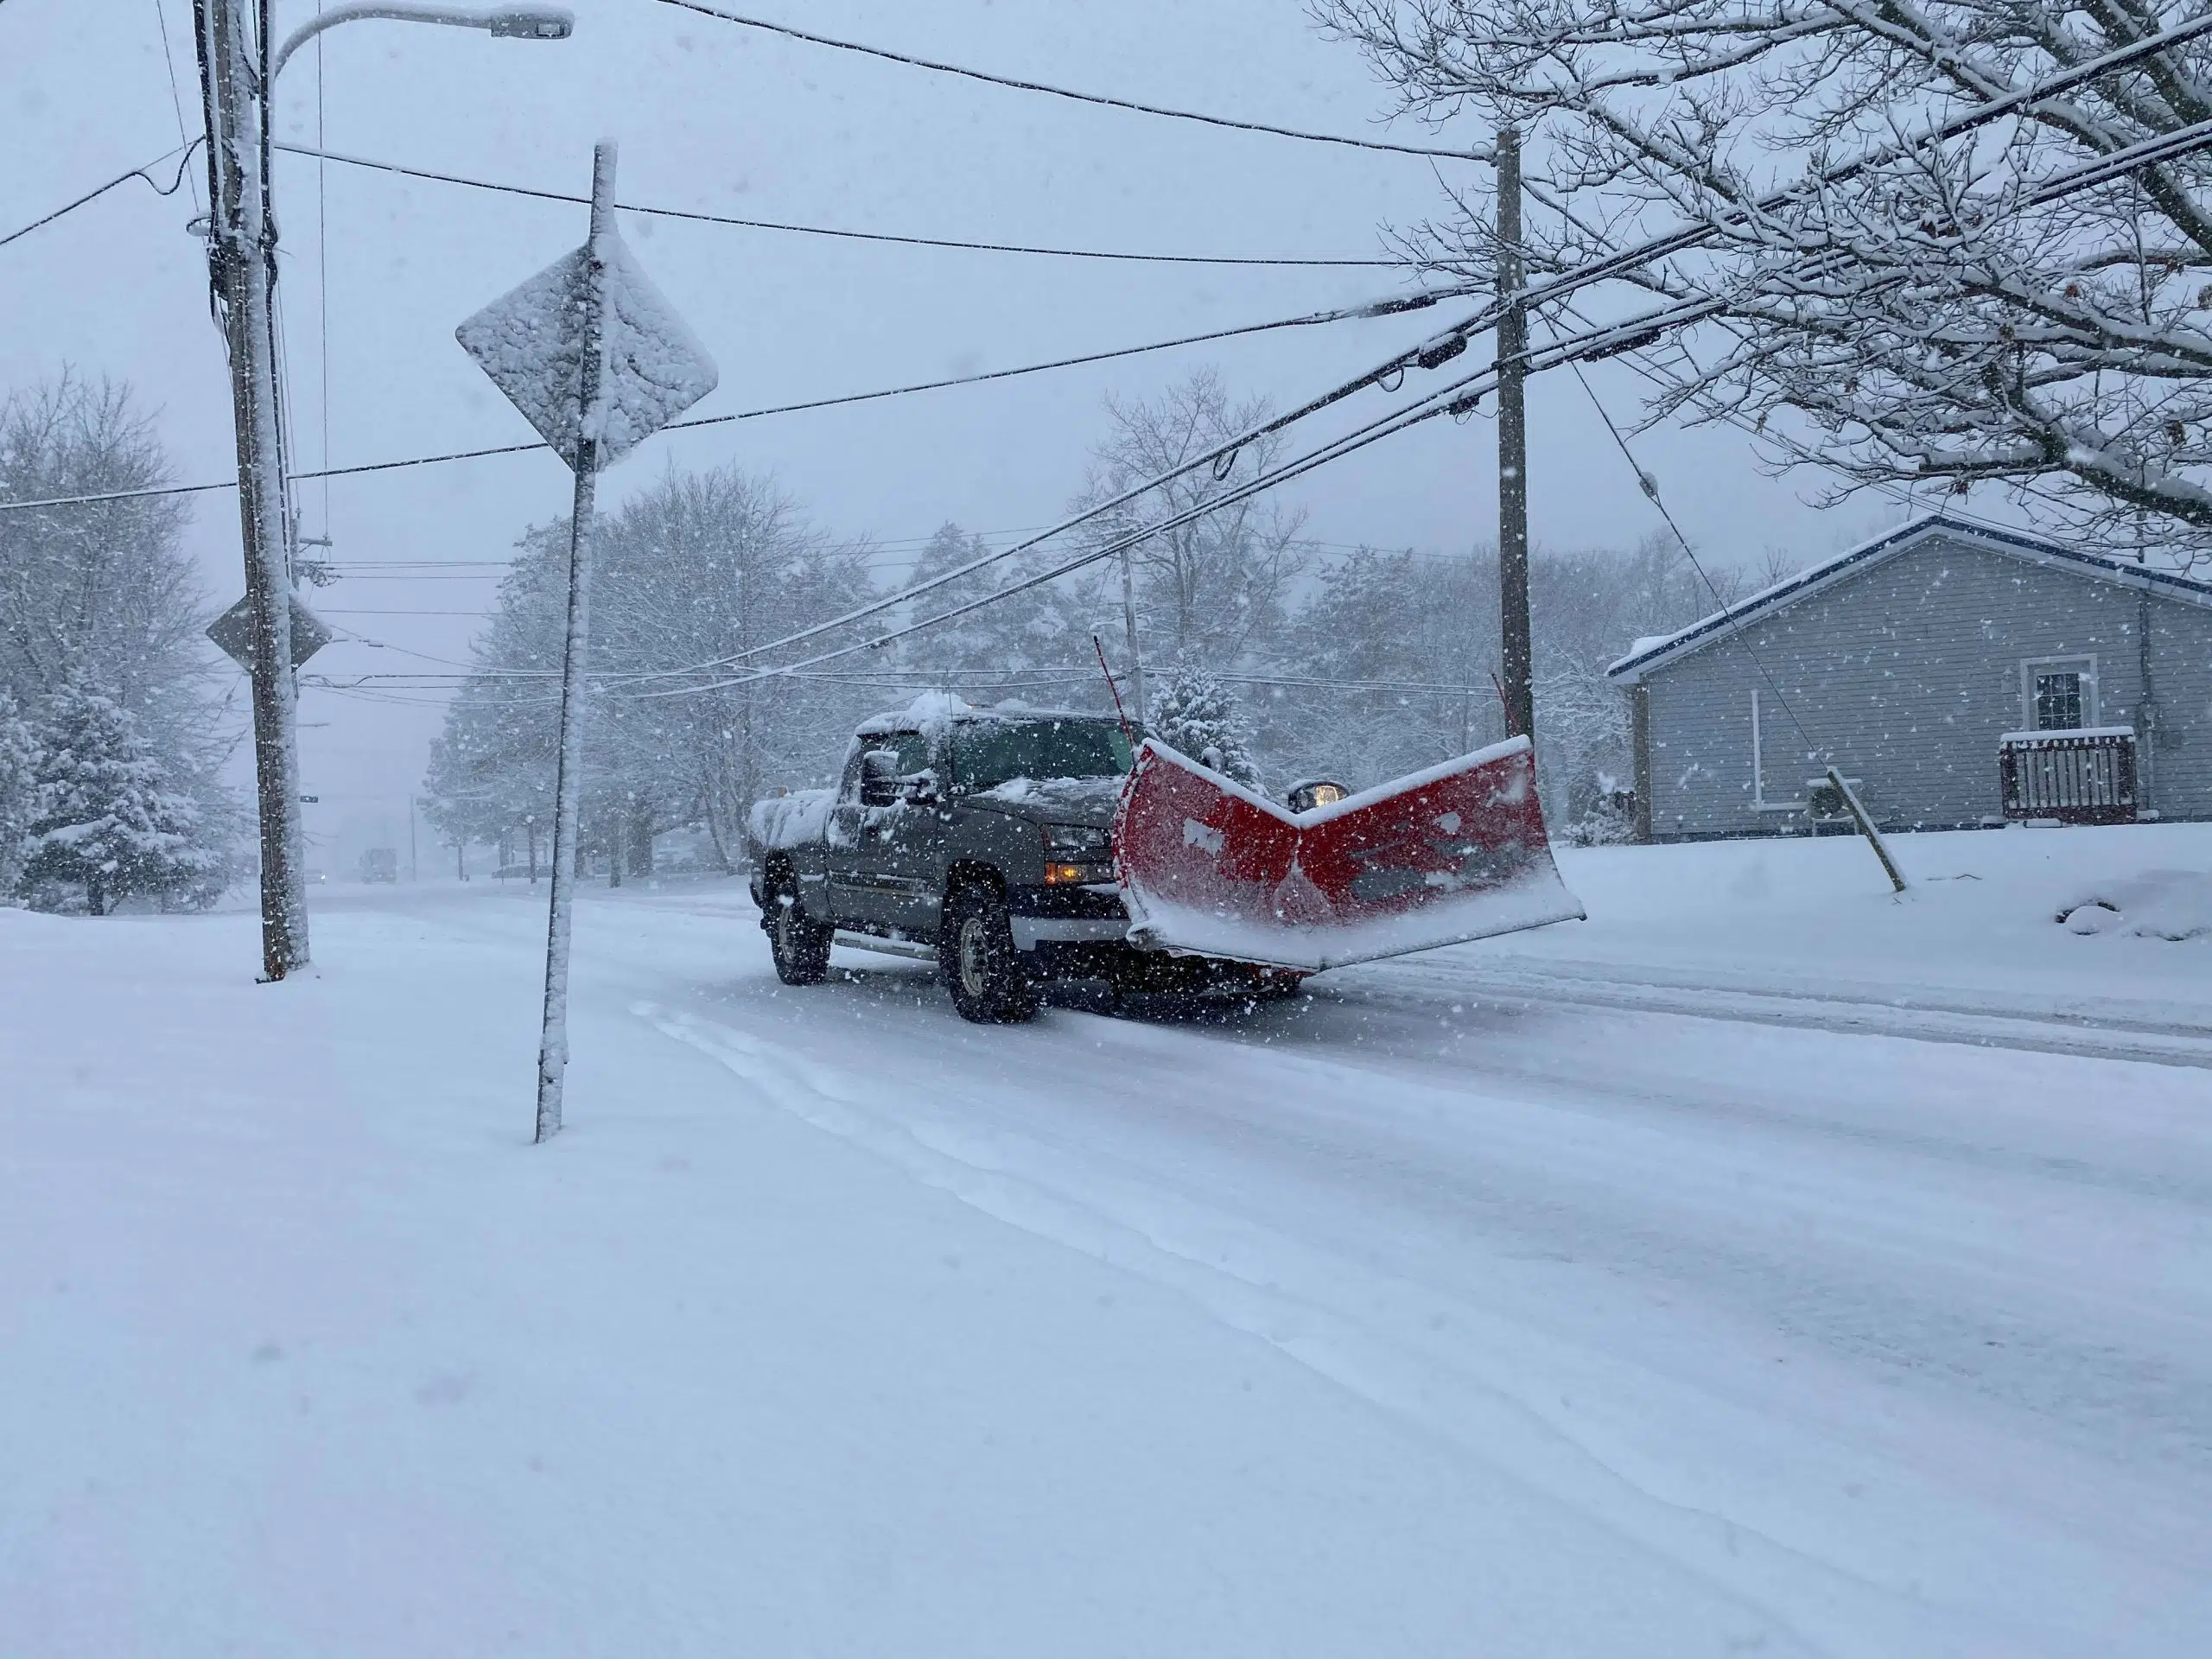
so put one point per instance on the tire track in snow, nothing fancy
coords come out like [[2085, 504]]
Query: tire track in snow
[[2119, 1037], [1238, 1272]]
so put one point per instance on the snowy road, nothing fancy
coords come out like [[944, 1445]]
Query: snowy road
[[1703, 1312], [1914, 1332]]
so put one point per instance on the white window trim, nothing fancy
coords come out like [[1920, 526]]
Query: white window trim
[[2085, 661]]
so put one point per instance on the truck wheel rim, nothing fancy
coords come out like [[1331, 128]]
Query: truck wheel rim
[[972, 978]]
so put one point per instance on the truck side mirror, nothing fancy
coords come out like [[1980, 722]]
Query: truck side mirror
[[879, 778], [921, 788]]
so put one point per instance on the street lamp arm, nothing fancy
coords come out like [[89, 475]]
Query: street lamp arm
[[519, 23]]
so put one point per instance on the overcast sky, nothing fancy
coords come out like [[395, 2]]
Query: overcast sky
[[719, 118]]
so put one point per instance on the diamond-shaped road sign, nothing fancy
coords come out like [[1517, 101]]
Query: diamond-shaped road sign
[[233, 632], [529, 340]]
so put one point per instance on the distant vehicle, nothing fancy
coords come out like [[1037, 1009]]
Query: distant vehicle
[[380, 864]]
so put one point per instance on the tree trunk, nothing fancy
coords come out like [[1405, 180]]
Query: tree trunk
[[96, 893], [641, 843]]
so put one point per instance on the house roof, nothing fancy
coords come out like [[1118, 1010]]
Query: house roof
[[1661, 650]]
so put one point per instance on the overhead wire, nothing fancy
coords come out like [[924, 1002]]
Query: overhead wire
[[184, 162], [1649, 486], [1105, 100], [1604, 339], [176, 96], [1312, 319], [1442, 401], [834, 233]]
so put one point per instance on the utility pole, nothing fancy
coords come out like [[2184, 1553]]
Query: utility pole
[[413, 869], [1513, 446], [1130, 629], [241, 252]]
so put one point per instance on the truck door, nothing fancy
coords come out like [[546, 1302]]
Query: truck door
[[879, 835], [913, 868], [844, 857]]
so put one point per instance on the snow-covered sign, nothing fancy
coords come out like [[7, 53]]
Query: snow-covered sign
[[529, 340], [233, 632]]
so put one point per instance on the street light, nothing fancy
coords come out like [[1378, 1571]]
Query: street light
[[511, 22], [237, 72]]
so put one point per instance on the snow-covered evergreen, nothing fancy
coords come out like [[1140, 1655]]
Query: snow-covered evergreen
[[107, 824], [1196, 713], [18, 790], [108, 593]]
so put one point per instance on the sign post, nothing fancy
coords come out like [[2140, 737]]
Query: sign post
[[590, 350]]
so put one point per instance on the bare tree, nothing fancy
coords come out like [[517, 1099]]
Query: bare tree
[[1216, 588], [697, 569], [2011, 305]]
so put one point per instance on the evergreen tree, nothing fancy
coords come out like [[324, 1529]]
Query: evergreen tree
[[18, 792], [1196, 715], [106, 818]]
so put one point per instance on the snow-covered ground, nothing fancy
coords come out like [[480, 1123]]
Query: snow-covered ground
[[1765, 1265]]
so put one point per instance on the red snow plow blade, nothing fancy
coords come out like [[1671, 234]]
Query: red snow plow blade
[[1455, 852]]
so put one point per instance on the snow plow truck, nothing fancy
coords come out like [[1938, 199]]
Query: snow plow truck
[[1014, 848]]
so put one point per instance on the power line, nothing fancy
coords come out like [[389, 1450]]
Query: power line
[[834, 233], [1449, 400], [1433, 354], [1649, 485], [1378, 308], [145, 173], [176, 96], [1012, 84]]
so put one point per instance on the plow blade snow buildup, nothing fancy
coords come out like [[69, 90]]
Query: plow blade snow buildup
[[1455, 852]]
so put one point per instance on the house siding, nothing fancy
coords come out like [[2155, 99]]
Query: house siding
[[1903, 674]]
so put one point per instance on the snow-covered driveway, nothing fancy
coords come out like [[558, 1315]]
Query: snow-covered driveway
[[1414, 1317]]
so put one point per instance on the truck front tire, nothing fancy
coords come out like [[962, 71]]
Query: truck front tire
[[800, 945], [975, 951]]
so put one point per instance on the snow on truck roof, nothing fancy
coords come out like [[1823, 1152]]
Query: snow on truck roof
[[934, 710]]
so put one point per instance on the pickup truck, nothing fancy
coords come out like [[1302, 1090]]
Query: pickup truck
[[978, 839]]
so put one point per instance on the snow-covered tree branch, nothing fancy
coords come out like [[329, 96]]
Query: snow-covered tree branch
[[2026, 303]]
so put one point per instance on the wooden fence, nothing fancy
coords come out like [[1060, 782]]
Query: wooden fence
[[2076, 777]]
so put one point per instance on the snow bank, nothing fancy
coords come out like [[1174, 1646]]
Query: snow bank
[[793, 820], [2173, 905]]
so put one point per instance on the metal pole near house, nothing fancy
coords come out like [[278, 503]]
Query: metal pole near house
[[242, 273], [1513, 448], [553, 1039]]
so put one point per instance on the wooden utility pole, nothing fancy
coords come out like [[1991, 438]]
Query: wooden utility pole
[[242, 266], [1513, 448], [1129, 632]]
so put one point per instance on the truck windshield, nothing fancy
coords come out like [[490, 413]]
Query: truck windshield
[[986, 753]]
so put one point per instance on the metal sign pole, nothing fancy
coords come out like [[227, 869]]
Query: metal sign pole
[[598, 360], [591, 296]]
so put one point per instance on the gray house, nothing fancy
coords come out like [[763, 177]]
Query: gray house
[[1956, 675]]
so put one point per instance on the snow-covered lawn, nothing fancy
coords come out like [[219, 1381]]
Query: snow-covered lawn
[[1765, 1265]]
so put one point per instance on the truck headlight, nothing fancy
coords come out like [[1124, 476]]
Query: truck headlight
[[1075, 840]]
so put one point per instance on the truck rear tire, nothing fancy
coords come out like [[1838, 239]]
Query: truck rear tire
[[975, 951], [799, 945]]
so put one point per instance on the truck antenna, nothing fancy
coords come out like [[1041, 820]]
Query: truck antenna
[[1120, 713]]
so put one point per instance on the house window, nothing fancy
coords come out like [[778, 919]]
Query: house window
[[2058, 699], [2059, 694]]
